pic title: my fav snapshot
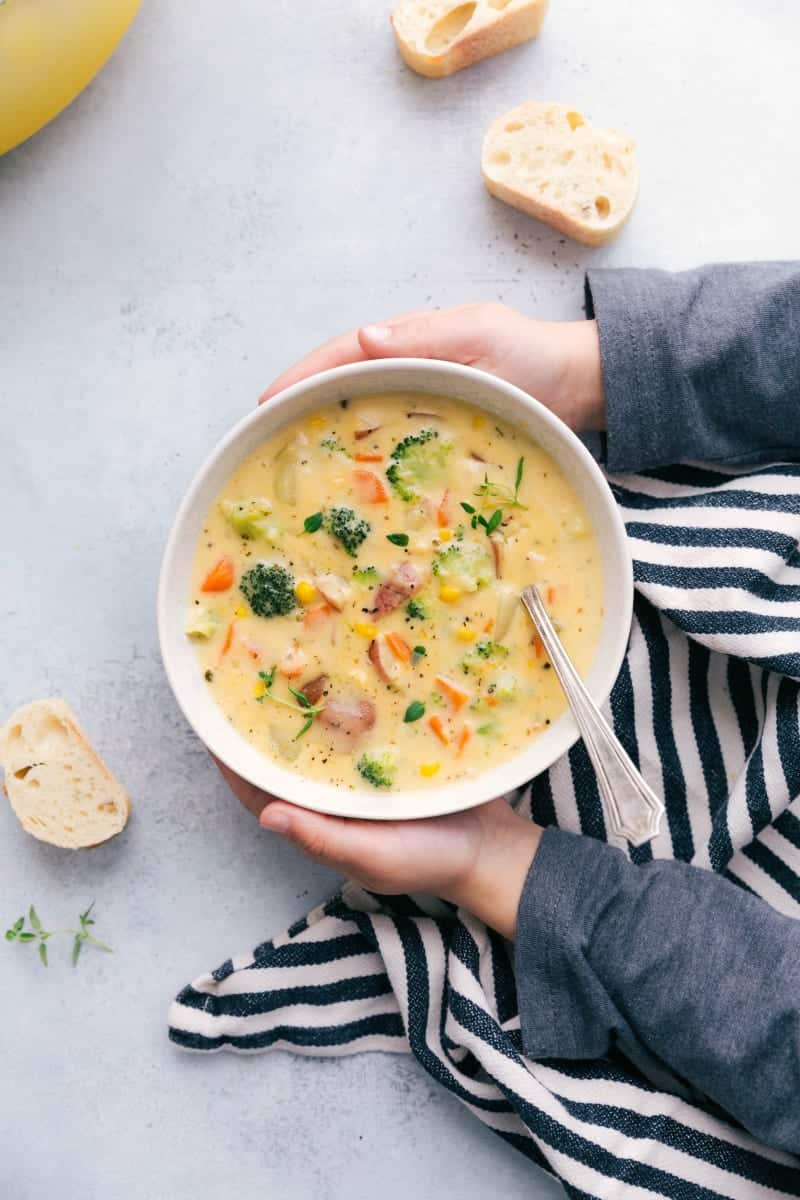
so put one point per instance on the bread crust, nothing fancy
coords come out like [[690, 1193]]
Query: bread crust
[[551, 216], [489, 31]]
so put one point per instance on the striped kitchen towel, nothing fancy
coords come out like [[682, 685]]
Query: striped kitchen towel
[[707, 705]]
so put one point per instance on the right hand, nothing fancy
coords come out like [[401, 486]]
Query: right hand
[[478, 859], [558, 362]]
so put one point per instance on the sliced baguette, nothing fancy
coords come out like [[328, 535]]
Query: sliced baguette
[[439, 37], [546, 160], [61, 791]]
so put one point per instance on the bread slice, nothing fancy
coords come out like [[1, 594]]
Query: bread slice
[[61, 791], [546, 160], [439, 37]]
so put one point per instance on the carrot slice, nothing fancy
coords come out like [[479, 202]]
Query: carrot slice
[[463, 739], [369, 488], [538, 646], [438, 728], [220, 577], [455, 694], [489, 626], [360, 456], [551, 595], [226, 645], [399, 646], [314, 617], [443, 511]]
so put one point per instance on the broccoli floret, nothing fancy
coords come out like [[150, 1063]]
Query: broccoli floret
[[269, 589], [250, 518], [333, 444], [377, 769], [416, 610], [365, 574], [484, 651], [202, 624], [418, 460], [505, 686], [464, 565], [347, 527], [487, 649]]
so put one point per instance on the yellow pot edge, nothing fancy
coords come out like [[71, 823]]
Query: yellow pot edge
[[49, 56]]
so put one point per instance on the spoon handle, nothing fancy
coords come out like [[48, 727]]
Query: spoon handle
[[632, 808]]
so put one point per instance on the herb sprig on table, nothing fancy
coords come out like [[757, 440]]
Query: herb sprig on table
[[38, 934]]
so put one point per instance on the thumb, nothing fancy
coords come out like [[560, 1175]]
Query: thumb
[[450, 334]]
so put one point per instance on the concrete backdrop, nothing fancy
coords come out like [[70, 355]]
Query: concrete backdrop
[[241, 182]]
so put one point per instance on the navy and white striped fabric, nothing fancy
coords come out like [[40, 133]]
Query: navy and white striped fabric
[[707, 705]]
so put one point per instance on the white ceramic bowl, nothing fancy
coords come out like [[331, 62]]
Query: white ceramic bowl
[[389, 375]]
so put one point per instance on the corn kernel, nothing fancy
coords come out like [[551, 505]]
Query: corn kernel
[[466, 635], [575, 120], [445, 535], [240, 612], [260, 689], [478, 421], [305, 591], [429, 769], [317, 422], [449, 594], [366, 630]]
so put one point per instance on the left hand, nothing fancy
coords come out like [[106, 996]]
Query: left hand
[[558, 362], [478, 859]]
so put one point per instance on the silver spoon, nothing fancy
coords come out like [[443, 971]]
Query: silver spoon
[[633, 809]]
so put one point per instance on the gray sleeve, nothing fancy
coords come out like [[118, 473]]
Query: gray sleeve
[[669, 958], [700, 365]]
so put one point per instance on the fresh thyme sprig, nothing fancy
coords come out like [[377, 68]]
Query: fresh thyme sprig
[[304, 706], [495, 491], [477, 519], [501, 491], [37, 933]]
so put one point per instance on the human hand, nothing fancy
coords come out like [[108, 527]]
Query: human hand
[[558, 362], [477, 859]]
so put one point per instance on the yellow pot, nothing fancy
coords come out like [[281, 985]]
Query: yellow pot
[[49, 51]]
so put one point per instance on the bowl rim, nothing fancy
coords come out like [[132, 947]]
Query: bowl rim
[[458, 795]]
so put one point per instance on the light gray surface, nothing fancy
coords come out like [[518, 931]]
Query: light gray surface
[[240, 183]]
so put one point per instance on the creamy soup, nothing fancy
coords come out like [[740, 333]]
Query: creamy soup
[[355, 595]]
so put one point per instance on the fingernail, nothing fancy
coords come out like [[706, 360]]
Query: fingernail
[[276, 819], [377, 333]]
